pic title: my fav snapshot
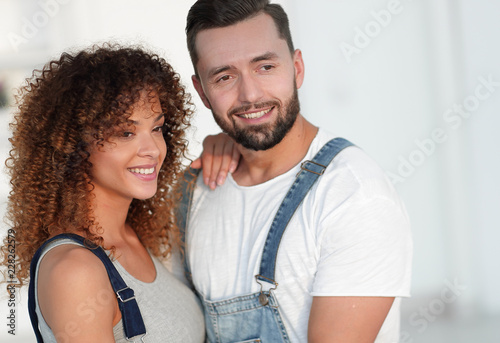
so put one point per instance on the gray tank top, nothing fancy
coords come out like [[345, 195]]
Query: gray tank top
[[170, 310]]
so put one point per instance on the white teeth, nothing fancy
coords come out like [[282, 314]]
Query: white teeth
[[142, 170], [255, 115]]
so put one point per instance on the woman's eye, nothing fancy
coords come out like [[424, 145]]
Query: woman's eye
[[159, 128], [127, 134]]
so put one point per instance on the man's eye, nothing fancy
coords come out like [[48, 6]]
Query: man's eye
[[223, 78], [267, 67]]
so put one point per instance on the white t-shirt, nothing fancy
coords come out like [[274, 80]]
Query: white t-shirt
[[350, 237]]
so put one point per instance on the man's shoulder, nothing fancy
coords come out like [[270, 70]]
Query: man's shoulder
[[353, 171], [352, 159]]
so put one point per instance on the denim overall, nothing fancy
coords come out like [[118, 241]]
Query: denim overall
[[133, 323], [256, 317]]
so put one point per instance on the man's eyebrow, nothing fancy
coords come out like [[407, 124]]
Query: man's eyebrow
[[219, 70], [264, 57]]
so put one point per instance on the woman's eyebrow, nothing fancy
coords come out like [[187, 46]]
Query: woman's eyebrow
[[135, 122], [162, 115]]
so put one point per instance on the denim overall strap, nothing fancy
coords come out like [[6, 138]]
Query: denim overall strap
[[307, 176], [182, 212], [133, 323]]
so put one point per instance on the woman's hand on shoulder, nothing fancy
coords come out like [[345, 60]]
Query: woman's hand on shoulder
[[220, 156], [76, 297]]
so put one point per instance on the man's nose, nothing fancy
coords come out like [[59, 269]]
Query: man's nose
[[249, 89]]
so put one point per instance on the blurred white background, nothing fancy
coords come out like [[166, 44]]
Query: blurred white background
[[415, 83]]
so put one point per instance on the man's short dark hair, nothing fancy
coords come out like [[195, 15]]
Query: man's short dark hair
[[208, 14]]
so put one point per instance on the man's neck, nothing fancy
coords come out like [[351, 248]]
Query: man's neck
[[257, 167]]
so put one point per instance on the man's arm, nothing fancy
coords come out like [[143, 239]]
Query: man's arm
[[347, 319]]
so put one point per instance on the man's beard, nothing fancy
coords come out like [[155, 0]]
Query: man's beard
[[264, 136]]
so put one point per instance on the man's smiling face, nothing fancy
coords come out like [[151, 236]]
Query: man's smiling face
[[248, 78]]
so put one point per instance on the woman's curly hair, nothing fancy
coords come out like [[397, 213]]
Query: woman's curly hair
[[63, 111]]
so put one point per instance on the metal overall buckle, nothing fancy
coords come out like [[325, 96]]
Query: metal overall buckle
[[303, 166], [125, 297], [133, 339], [263, 298]]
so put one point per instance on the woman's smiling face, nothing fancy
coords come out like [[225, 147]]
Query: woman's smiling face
[[127, 165]]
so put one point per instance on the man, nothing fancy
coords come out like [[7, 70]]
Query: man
[[344, 257]]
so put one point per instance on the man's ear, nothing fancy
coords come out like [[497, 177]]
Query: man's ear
[[199, 88], [298, 63]]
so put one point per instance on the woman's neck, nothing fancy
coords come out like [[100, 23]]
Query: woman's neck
[[111, 217]]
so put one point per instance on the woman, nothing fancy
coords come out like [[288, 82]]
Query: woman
[[97, 142]]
